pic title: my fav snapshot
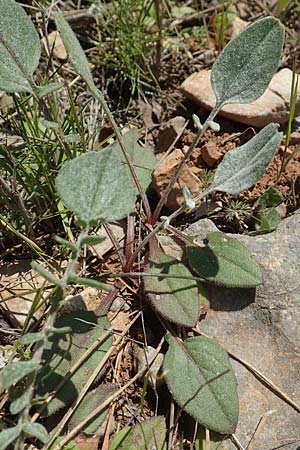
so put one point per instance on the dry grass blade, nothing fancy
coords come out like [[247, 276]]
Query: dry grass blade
[[89, 382], [101, 407], [257, 432]]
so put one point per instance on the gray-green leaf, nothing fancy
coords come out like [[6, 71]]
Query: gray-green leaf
[[150, 434], [36, 430], [245, 68], [31, 338], [201, 380], [243, 166], [96, 186], [15, 371], [73, 48], [176, 299], [20, 47], [63, 351], [90, 402], [8, 436], [18, 404], [224, 261], [143, 158]]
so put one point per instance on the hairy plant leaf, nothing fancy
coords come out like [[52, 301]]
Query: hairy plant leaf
[[49, 88], [15, 371], [93, 240], [270, 198], [36, 430], [63, 351], [19, 403], [20, 47], [45, 273], [30, 338], [224, 261], [143, 158], [73, 48], [8, 436], [96, 186], [150, 434], [200, 378], [176, 299], [90, 402], [243, 166], [269, 220], [245, 68], [119, 438]]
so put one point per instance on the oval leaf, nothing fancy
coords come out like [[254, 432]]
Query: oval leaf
[[19, 47], [8, 436], [18, 404], [63, 351], [73, 48], [150, 434], [31, 338], [90, 402], [96, 186], [15, 371], [143, 158], [36, 430], [225, 261], [245, 68], [243, 166], [176, 299], [201, 380]]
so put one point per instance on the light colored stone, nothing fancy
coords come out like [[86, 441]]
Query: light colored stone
[[155, 373], [211, 154], [6, 102], [56, 43], [236, 26], [261, 326], [101, 249], [272, 106], [168, 132], [19, 285], [163, 174], [295, 138]]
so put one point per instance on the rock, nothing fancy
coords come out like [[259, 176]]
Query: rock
[[295, 138], [168, 132], [88, 299], [272, 106], [99, 250], [19, 284], [211, 154], [6, 102], [146, 113], [262, 328], [164, 172], [56, 43], [236, 26], [155, 373]]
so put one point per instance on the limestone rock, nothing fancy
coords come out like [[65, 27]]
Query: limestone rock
[[19, 284], [101, 249], [272, 106], [163, 174], [211, 154], [168, 132], [56, 43], [236, 26], [262, 328], [295, 138]]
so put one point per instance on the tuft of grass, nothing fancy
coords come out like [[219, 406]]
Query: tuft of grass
[[127, 39], [30, 157]]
